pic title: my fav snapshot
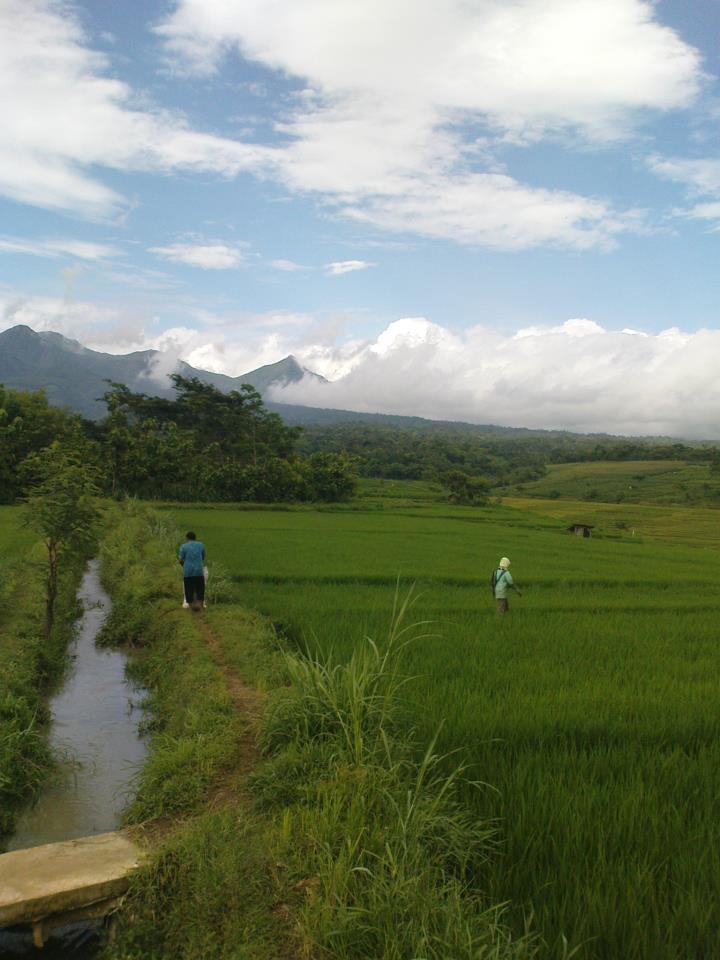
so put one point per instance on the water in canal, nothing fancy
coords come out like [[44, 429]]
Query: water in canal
[[94, 732]]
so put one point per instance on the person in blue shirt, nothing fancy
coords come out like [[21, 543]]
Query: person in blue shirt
[[191, 557]]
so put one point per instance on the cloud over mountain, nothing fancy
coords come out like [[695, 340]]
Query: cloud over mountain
[[574, 375]]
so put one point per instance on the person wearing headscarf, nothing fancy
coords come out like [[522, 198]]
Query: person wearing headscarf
[[503, 583]]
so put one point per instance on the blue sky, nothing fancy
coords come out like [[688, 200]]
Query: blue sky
[[497, 210]]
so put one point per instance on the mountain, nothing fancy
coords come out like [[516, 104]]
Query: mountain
[[74, 376]]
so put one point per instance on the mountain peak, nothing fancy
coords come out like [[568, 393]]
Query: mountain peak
[[73, 375]]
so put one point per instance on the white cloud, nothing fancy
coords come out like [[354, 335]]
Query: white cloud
[[393, 145], [288, 266], [346, 266], [526, 64], [575, 376], [701, 177], [62, 116], [207, 256], [95, 325], [387, 126], [57, 247]]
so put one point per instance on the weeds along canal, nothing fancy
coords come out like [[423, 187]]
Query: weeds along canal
[[95, 736]]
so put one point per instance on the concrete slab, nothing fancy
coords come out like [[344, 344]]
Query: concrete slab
[[60, 877]]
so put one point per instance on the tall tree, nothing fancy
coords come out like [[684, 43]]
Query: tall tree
[[63, 507]]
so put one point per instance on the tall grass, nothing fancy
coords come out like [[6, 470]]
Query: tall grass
[[396, 860], [30, 664]]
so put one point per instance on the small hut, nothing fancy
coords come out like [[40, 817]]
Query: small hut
[[580, 529]]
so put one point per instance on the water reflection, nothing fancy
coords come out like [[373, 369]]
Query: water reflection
[[95, 718]]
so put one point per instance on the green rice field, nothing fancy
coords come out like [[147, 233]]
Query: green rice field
[[592, 712]]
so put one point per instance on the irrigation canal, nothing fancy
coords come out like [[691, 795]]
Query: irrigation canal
[[94, 733]]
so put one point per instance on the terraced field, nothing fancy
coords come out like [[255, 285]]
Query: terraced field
[[632, 481]]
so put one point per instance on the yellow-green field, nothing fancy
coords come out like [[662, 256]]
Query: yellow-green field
[[593, 711], [672, 524], [631, 481]]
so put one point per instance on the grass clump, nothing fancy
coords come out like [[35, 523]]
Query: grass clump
[[210, 892], [391, 859]]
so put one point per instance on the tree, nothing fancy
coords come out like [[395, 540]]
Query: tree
[[472, 491], [27, 424], [332, 476], [62, 506]]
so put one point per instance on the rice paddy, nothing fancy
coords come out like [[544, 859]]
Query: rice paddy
[[592, 711]]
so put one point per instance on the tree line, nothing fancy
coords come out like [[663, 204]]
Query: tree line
[[202, 445], [436, 451], [205, 445]]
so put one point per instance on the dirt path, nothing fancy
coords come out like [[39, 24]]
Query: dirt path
[[248, 701]]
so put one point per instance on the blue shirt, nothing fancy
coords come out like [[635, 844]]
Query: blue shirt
[[192, 555]]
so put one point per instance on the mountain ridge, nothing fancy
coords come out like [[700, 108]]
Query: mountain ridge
[[76, 376]]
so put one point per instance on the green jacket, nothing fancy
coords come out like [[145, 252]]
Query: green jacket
[[503, 580]]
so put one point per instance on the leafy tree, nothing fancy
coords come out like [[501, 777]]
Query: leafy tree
[[332, 476], [27, 424], [472, 491], [62, 506]]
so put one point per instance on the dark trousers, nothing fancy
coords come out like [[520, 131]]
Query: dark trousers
[[194, 587]]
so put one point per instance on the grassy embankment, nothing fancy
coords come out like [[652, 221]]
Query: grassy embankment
[[594, 709], [29, 662], [340, 844]]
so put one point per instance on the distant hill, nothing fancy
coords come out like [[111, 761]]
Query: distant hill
[[74, 376]]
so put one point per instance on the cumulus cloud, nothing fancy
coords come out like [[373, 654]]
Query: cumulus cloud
[[396, 144], [575, 375], [207, 256], [346, 266], [57, 247], [63, 116]]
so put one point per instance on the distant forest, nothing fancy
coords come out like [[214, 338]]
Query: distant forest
[[205, 445], [507, 458]]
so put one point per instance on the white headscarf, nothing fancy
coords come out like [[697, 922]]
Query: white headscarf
[[504, 563]]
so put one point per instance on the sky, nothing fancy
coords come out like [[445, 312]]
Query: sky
[[502, 211]]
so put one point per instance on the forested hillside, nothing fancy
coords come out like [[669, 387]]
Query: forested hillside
[[427, 450]]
